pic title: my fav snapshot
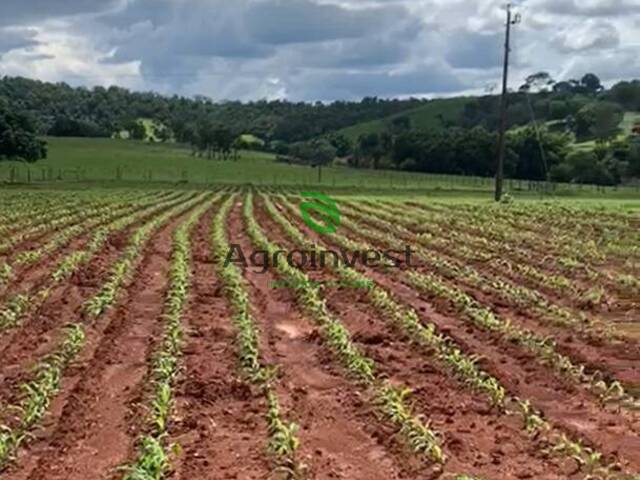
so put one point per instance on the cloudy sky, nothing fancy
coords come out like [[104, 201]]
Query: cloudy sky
[[313, 49]]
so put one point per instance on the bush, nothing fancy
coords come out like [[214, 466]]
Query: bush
[[18, 140], [68, 127]]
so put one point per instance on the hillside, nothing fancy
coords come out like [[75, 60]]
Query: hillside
[[429, 116]]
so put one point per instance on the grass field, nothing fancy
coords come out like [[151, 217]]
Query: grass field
[[462, 341], [107, 162]]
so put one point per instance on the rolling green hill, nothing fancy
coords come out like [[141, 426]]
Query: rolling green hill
[[430, 115]]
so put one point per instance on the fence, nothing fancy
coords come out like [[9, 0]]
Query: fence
[[18, 174]]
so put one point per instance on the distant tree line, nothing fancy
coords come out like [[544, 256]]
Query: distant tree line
[[59, 109], [308, 133], [564, 112]]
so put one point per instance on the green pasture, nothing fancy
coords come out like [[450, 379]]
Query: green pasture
[[113, 163]]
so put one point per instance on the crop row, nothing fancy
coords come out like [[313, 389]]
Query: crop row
[[283, 441], [153, 455], [51, 221], [93, 218], [392, 400], [484, 318], [17, 306], [528, 253], [45, 386], [446, 350], [16, 215], [513, 294], [589, 240]]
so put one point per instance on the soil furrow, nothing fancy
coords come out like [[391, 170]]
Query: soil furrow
[[219, 420], [478, 440], [564, 404], [92, 434], [340, 437], [39, 330]]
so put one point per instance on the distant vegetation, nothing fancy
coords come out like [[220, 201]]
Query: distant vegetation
[[570, 131]]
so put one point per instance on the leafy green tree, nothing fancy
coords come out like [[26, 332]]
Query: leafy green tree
[[222, 139], [627, 94], [64, 126], [538, 82], [371, 147], [598, 119], [634, 157], [342, 144], [18, 140], [536, 152], [136, 129], [583, 166], [591, 83]]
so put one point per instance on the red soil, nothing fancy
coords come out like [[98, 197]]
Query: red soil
[[615, 433], [219, 420], [90, 432]]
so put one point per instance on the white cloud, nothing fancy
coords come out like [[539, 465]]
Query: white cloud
[[313, 49]]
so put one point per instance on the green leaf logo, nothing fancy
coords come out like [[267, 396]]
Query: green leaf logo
[[325, 209]]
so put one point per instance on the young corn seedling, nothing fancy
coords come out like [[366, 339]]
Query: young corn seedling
[[283, 441], [391, 401], [153, 456]]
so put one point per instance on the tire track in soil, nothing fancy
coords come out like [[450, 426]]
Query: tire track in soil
[[219, 421], [39, 330], [339, 437], [477, 439], [91, 434], [615, 433]]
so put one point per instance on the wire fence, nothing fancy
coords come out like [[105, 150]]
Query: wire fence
[[12, 174]]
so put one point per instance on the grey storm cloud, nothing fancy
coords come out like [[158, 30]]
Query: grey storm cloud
[[310, 49], [20, 12], [293, 21], [475, 50], [429, 78], [591, 35], [591, 8], [14, 38]]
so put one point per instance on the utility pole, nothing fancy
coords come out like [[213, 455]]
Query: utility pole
[[511, 20]]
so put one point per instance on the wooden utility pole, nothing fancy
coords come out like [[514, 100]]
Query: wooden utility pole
[[504, 104]]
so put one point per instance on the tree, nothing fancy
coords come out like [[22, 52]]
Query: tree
[[591, 83], [342, 144], [600, 120], [536, 153], [370, 146], [136, 129], [583, 166], [634, 157], [222, 139], [538, 82], [64, 126], [627, 94], [400, 124], [18, 140], [162, 133]]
